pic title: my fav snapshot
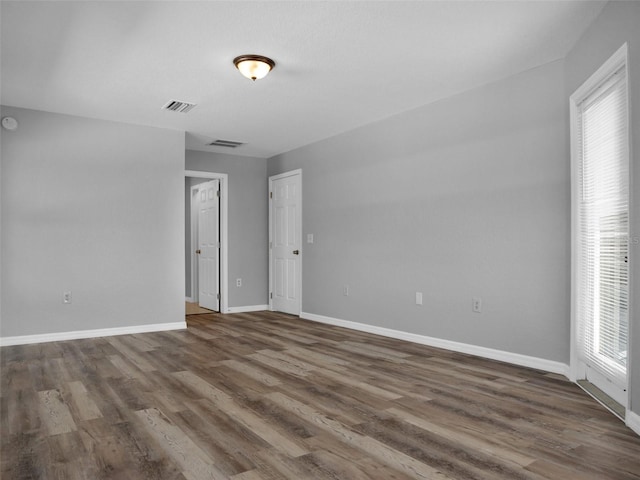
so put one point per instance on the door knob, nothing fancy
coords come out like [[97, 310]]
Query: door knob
[[198, 251], [296, 252]]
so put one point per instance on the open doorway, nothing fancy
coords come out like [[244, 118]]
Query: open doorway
[[205, 242]]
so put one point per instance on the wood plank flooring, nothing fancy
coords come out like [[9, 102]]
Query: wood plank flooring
[[270, 396], [195, 309]]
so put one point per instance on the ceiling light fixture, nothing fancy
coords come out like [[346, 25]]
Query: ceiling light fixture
[[254, 67]]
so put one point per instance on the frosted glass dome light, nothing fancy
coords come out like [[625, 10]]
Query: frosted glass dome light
[[254, 67]]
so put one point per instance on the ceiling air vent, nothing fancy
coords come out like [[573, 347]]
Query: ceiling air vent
[[176, 106], [225, 143]]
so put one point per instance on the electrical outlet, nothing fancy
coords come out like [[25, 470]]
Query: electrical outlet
[[66, 297], [418, 298], [345, 290], [238, 282], [476, 304], [309, 237]]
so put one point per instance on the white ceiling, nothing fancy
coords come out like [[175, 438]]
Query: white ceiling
[[340, 64]]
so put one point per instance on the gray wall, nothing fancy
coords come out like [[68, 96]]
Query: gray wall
[[248, 222], [465, 197], [94, 207], [618, 23]]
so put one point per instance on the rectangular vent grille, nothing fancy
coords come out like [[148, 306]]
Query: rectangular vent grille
[[176, 106], [225, 143]]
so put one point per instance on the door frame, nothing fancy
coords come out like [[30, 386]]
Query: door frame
[[272, 178], [224, 245]]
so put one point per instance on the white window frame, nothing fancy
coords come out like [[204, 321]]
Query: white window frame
[[618, 60]]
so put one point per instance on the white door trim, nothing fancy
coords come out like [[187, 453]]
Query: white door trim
[[224, 228], [271, 180]]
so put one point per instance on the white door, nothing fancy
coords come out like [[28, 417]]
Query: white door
[[285, 239], [208, 245]]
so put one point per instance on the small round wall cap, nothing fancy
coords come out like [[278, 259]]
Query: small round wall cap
[[10, 123]]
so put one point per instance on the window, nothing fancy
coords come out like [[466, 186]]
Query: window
[[600, 169]]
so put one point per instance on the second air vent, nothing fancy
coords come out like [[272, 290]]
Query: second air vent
[[177, 106], [225, 143]]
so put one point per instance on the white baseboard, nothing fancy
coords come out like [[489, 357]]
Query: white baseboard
[[500, 355], [190, 300], [248, 308], [633, 421], [101, 332]]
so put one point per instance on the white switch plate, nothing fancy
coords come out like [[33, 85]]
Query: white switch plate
[[309, 237], [418, 298], [345, 290]]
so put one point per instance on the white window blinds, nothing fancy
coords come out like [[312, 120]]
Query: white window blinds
[[603, 228]]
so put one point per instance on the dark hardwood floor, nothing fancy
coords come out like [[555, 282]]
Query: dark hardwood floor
[[270, 396]]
